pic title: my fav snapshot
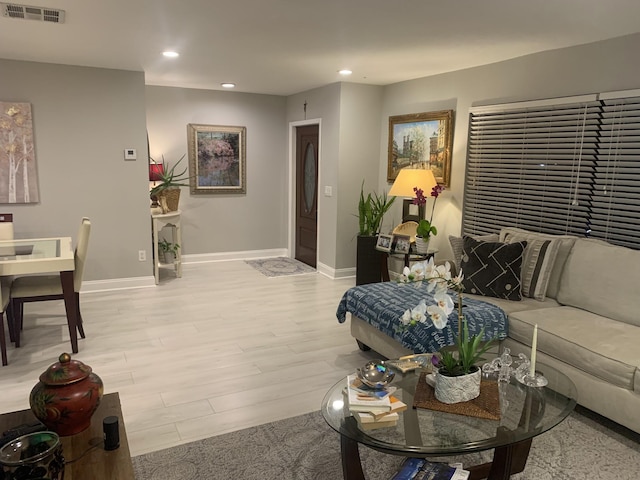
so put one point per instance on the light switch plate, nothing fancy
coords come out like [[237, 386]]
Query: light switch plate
[[328, 191]]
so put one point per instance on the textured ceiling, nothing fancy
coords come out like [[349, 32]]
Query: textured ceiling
[[284, 47]]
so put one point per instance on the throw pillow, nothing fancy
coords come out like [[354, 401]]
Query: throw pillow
[[492, 268], [553, 262], [457, 244]]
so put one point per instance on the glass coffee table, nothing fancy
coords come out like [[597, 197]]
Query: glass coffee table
[[525, 413]]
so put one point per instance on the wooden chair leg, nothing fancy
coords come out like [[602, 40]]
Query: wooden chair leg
[[80, 326], [17, 308], [10, 322], [3, 341]]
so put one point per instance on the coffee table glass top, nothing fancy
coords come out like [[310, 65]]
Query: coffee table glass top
[[525, 413]]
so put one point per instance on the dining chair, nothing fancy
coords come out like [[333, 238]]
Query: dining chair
[[6, 226], [5, 290], [37, 288]]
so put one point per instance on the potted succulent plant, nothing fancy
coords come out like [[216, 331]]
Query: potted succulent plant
[[457, 376], [371, 210], [167, 188]]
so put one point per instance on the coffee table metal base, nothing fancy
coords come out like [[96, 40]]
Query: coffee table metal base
[[507, 460]]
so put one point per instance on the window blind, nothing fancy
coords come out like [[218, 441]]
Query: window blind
[[531, 166]]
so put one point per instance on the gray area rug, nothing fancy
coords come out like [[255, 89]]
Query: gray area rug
[[304, 448], [280, 266]]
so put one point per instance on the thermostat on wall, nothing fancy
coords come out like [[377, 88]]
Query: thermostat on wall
[[129, 153]]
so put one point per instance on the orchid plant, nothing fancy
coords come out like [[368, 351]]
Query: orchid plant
[[425, 227], [440, 280]]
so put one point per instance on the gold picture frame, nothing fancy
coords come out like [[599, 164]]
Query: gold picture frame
[[217, 159], [421, 140]]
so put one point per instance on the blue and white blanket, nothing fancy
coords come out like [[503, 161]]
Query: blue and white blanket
[[382, 304]]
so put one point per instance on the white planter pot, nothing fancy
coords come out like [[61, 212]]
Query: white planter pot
[[458, 389], [422, 245]]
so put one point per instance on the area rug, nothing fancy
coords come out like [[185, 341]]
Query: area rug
[[305, 448], [280, 266]]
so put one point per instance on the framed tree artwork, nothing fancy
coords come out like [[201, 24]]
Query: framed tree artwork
[[421, 140], [217, 159]]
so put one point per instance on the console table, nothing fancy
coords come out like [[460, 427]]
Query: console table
[[159, 221], [96, 463]]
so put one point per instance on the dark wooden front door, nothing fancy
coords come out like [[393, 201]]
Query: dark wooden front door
[[307, 194]]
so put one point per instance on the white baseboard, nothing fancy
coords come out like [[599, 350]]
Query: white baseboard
[[146, 282]]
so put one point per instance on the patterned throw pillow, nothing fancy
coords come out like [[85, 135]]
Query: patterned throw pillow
[[457, 243], [492, 268], [538, 263]]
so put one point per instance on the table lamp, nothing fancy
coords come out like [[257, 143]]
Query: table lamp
[[403, 186]]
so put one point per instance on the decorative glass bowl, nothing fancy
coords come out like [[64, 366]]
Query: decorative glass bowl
[[36, 455], [376, 374]]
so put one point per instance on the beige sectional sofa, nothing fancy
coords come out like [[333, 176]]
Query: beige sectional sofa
[[588, 324]]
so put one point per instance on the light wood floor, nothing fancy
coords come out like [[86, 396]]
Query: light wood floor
[[220, 349]]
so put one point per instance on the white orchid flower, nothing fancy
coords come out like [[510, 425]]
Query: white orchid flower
[[457, 280], [406, 317], [418, 312], [418, 270], [438, 316], [444, 301]]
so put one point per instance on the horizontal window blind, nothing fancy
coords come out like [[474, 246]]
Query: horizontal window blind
[[531, 167], [560, 166], [616, 193]]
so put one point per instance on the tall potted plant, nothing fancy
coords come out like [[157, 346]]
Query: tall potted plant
[[371, 210], [425, 227]]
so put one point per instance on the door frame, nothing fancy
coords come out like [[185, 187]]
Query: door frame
[[291, 246]]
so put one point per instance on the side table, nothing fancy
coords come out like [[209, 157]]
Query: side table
[[408, 258], [159, 221], [85, 450]]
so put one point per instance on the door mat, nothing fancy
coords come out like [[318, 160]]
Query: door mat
[[280, 266], [487, 405]]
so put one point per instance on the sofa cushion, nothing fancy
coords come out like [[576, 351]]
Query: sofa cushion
[[603, 279], [492, 268], [563, 249], [597, 345], [457, 244], [509, 307]]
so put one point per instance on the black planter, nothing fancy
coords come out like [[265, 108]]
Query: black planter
[[369, 261]]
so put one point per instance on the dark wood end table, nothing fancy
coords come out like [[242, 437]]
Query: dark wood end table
[[88, 459]]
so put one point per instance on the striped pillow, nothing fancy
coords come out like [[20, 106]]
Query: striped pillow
[[537, 264]]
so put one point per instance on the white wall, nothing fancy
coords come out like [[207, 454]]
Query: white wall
[[603, 66], [83, 119], [231, 222]]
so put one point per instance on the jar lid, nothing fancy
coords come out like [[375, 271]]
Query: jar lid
[[65, 371], [28, 449]]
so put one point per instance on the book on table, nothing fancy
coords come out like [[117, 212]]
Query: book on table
[[422, 469], [361, 401], [366, 421]]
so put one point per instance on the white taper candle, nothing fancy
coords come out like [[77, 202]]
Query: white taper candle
[[534, 346]]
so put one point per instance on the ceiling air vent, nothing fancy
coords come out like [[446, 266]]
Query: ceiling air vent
[[27, 12]]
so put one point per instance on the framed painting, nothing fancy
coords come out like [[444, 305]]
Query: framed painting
[[421, 140], [217, 159]]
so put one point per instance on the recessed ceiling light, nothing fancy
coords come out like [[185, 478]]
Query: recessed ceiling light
[[228, 85], [345, 72], [171, 54]]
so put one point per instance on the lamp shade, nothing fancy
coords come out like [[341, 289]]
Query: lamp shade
[[155, 172], [409, 178]]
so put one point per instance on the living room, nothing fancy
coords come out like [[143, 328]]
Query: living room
[[84, 117]]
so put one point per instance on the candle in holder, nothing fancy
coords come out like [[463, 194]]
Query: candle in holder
[[534, 346]]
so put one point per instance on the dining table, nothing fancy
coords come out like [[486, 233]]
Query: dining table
[[44, 255]]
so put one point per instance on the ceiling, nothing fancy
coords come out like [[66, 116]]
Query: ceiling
[[283, 47]]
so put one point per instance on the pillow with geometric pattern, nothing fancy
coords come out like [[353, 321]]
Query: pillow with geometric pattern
[[492, 269]]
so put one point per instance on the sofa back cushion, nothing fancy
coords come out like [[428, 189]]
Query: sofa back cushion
[[544, 259], [603, 279], [492, 268]]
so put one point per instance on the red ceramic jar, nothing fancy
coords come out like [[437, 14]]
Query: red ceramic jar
[[66, 396]]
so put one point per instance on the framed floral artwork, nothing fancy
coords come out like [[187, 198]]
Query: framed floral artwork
[[421, 140], [217, 159]]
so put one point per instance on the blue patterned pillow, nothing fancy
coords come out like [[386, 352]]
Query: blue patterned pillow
[[492, 269]]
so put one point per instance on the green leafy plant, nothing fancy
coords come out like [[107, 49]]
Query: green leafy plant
[[166, 246], [469, 352], [371, 210], [425, 229], [169, 178]]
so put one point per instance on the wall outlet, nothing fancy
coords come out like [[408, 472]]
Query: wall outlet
[[142, 255]]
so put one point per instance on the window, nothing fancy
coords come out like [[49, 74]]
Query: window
[[557, 166]]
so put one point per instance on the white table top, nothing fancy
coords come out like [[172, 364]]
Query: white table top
[[36, 255]]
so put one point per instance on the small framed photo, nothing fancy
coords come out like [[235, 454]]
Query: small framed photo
[[384, 242], [401, 243]]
